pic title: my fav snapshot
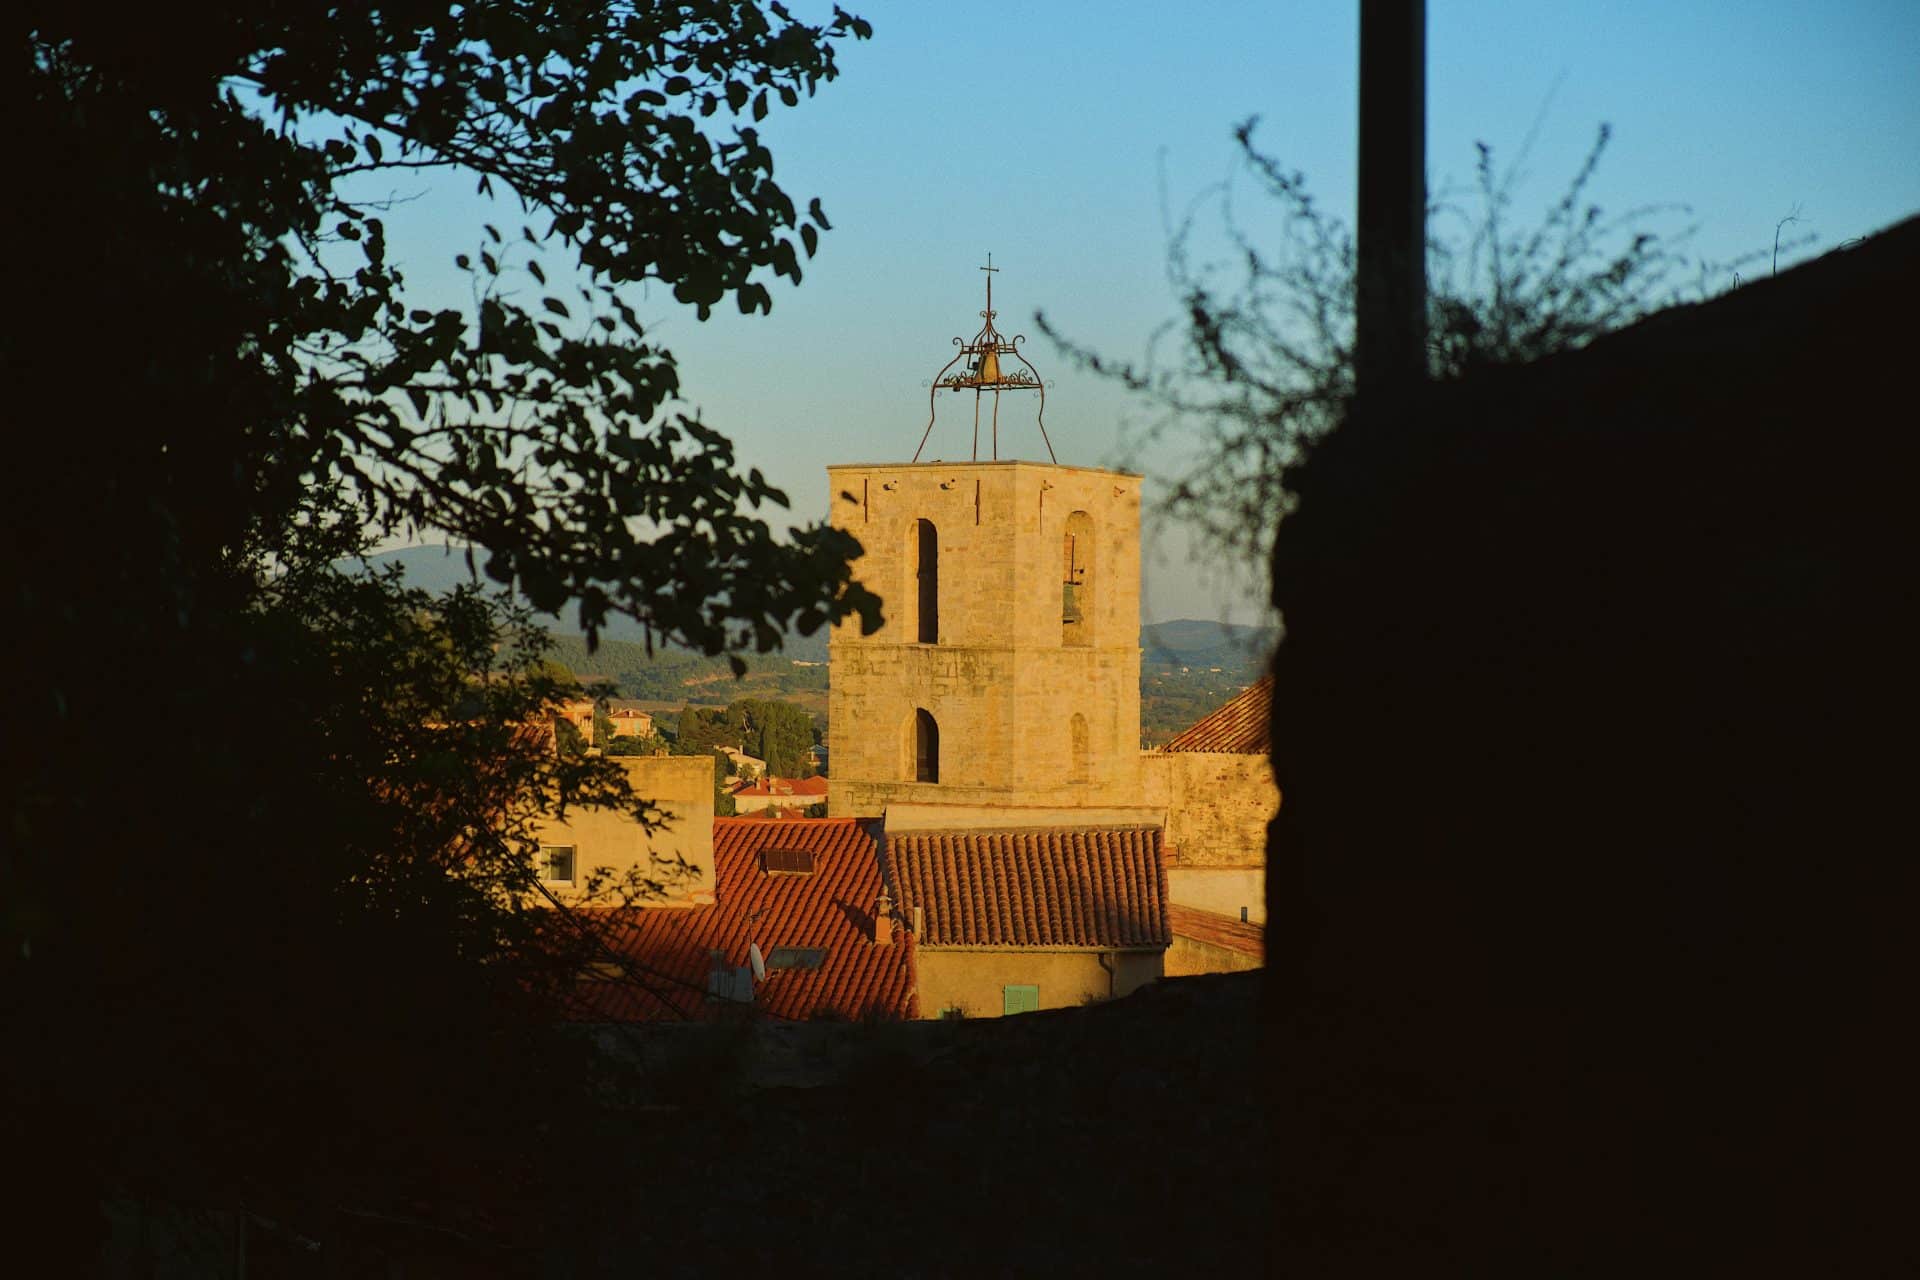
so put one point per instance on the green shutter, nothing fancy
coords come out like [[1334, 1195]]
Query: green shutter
[[1022, 999]]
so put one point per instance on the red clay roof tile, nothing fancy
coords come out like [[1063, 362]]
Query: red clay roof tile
[[1096, 887], [832, 909], [1239, 727], [1220, 931]]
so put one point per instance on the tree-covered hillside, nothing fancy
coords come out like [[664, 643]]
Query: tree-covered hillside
[[676, 676], [440, 569], [1187, 668]]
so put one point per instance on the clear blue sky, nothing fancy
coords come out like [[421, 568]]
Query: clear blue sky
[[1053, 134]]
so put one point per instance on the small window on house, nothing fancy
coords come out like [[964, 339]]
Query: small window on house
[[1021, 999], [787, 862], [1080, 754], [926, 571], [796, 958], [556, 863], [926, 747]]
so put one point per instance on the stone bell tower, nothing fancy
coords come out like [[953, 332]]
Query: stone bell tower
[[1008, 669]]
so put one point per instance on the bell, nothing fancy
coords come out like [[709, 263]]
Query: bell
[[990, 366], [1070, 603]]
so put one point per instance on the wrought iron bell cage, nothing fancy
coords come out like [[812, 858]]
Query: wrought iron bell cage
[[985, 366]]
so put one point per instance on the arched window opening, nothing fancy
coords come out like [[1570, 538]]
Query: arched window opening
[[1081, 753], [926, 747], [1077, 585], [925, 551]]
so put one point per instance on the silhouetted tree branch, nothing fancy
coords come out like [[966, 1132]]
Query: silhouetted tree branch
[[1259, 365]]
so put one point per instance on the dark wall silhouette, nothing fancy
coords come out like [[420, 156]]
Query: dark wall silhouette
[[1592, 721]]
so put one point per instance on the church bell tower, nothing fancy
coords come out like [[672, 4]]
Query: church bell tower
[[1007, 672]]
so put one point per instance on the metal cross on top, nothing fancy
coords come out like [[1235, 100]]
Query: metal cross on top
[[983, 372]]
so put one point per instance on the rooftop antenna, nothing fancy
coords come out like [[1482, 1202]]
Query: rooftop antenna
[[984, 372]]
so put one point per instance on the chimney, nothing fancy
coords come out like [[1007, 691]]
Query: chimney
[[883, 920]]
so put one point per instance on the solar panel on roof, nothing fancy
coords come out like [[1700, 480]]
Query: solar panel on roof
[[796, 958], [793, 862]]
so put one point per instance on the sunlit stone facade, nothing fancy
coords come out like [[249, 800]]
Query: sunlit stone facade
[[1024, 579]]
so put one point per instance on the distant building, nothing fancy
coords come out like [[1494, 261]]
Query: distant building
[[744, 765], [1007, 673], [629, 721], [1004, 689], [994, 720], [1214, 782], [578, 712], [785, 793]]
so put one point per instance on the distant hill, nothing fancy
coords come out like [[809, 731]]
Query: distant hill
[[1190, 666], [1201, 643], [442, 568], [1239, 651], [434, 569]]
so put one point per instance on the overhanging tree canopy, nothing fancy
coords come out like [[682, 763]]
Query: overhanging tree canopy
[[223, 950], [197, 237]]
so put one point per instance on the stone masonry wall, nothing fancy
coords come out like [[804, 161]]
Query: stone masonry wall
[[1218, 805], [1000, 682]]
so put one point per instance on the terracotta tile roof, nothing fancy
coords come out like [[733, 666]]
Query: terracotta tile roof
[[1045, 887], [1219, 931], [1240, 727], [831, 908]]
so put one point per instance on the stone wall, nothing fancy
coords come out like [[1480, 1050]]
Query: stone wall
[[1002, 682], [1218, 805]]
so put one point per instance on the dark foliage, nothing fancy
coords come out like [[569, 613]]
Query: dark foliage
[[703, 729], [722, 774], [204, 161], [1592, 926], [634, 744], [284, 953], [779, 733], [1161, 1094], [1259, 365]]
